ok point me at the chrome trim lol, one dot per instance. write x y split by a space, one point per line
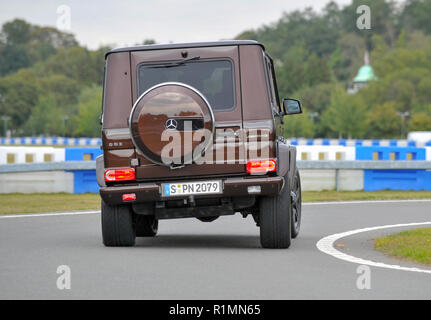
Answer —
117 134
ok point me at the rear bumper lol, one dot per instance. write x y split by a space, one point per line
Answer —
232 187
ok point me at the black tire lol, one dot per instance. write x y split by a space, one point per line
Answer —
296 201
118 227
208 219
146 226
275 219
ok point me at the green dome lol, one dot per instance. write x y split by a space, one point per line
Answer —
365 74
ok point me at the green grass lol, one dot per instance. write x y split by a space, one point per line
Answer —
47 202
413 245
40 202
313 196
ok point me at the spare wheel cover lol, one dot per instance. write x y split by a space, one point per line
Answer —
167 106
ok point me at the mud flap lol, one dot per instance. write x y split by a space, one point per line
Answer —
100 171
286 160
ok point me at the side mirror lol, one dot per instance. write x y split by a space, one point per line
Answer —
291 106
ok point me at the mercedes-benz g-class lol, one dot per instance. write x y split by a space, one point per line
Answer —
195 130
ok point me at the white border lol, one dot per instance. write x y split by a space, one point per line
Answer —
363 201
48 214
326 245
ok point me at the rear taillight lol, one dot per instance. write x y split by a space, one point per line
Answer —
124 174
261 166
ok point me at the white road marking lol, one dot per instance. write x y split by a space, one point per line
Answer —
48 214
362 202
326 245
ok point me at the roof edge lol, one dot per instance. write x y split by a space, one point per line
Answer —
185 45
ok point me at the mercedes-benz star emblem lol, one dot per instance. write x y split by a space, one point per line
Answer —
171 124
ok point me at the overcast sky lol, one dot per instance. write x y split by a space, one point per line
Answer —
119 23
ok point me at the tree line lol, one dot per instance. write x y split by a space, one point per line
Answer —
51 85
317 55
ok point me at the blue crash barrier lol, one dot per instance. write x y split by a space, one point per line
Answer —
83 180
394 179
82 154
390 153
397 180
357 142
51 141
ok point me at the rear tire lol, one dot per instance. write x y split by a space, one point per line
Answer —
146 226
296 204
275 219
118 227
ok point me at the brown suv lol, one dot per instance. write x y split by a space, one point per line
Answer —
195 130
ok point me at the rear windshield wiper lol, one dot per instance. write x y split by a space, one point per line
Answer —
177 63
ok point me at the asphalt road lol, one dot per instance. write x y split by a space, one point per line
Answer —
190 259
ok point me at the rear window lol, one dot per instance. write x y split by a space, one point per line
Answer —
213 78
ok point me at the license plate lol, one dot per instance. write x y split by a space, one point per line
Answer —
190 188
